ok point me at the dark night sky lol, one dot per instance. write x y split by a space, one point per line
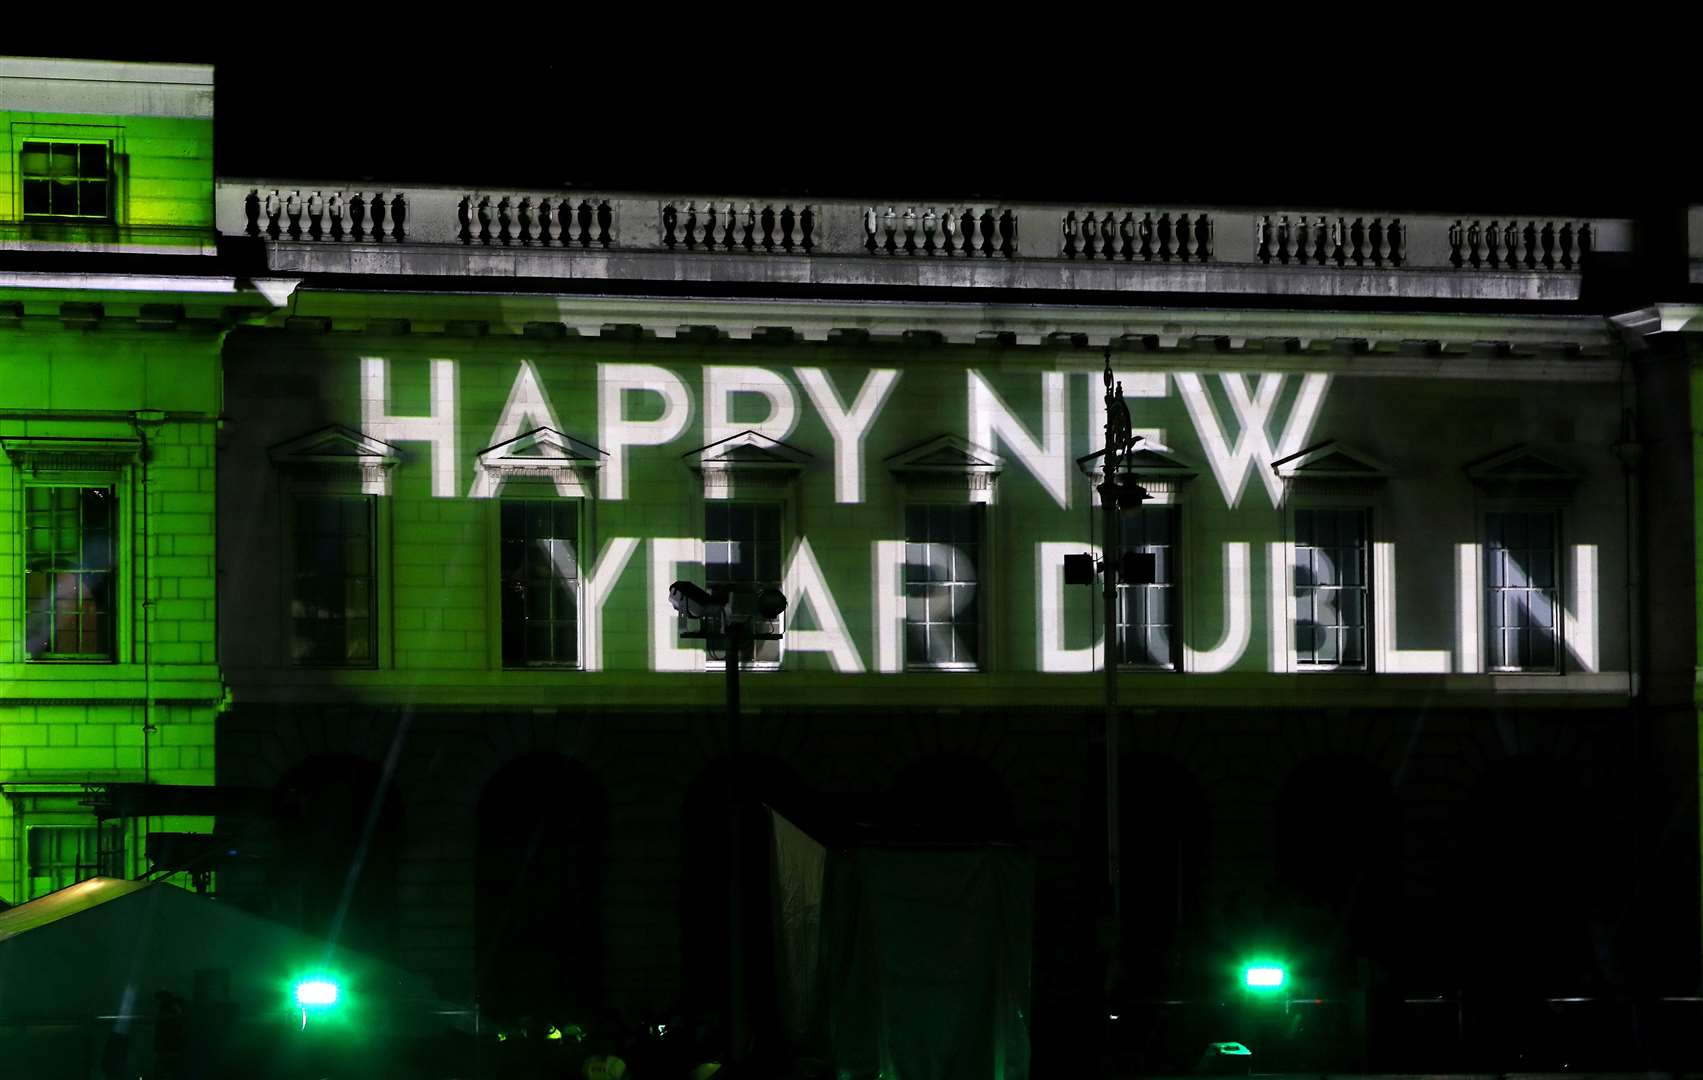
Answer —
1484 130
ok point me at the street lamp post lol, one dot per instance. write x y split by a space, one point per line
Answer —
719 625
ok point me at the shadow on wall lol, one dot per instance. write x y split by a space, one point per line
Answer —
337 845
539 870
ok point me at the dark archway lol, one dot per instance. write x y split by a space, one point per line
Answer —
1338 889
951 798
337 848
724 799
1163 836
538 890
1534 862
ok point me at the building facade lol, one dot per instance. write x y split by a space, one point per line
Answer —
1407 686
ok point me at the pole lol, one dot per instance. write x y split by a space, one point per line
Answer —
738 634
1109 560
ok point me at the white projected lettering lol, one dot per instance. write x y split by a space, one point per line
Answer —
666 653
805 584
1391 658
1238 622
1579 619
526 409
1051 651
1469 608
436 429
615 432
991 422
1254 413
887 581
1136 384
599 582
721 383
1280 588
847 426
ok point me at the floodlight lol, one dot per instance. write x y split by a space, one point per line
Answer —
770 603
1079 570
316 992
694 602
1264 976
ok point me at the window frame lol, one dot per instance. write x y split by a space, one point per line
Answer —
112 136
1170 501
102 866
519 490
780 497
119 557
110 179
1367 508
380 596
1555 511
981 511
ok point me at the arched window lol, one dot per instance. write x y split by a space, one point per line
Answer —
538 876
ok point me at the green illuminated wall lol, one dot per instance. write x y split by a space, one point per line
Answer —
69 723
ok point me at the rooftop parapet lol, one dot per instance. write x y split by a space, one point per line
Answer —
310 226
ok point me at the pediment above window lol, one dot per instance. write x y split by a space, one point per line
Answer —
1522 471
948 466
750 459
38 456
1158 470
337 451
1331 460
540 454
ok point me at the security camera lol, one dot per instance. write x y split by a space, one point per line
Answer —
770 603
694 602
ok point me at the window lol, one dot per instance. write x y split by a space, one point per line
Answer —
1520 591
540 568
70 558
332 603
61 855
1330 588
742 550
942 553
67 180
1147 620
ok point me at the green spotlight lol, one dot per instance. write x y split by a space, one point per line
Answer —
1264 976
316 993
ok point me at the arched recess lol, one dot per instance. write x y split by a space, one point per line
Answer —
951 798
1164 833
728 795
539 868
337 846
1338 886
1533 861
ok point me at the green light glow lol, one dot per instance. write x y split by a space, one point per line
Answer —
1264 976
316 992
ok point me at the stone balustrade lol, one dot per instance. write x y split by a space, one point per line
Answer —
1202 248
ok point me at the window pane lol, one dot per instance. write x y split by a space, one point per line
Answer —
540 578
332 600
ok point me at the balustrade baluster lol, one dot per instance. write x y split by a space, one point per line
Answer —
789 222
376 207
315 214
909 226
929 224
1262 232
334 215
1566 237
1126 236
1108 234
1380 242
1167 237
1067 233
1284 239
1303 240
1546 241
1144 233
1398 242
293 210
767 219
357 216
1584 242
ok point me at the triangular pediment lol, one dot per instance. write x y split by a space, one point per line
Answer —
1144 459
1520 464
747 450
542 448
1330 460
335 445
946 454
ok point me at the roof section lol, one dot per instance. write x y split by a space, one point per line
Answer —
106 87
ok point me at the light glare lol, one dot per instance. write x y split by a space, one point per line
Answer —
316 992
1264 977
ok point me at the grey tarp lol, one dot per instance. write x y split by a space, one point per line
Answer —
90 959
905 962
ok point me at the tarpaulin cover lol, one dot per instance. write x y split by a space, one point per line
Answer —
910 963
105 947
